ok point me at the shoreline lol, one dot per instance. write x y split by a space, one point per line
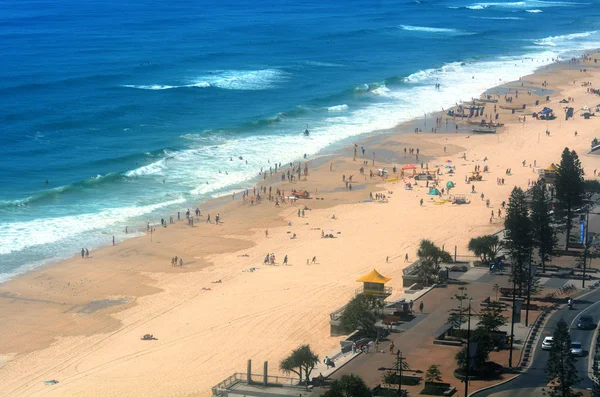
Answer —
102 237
137 272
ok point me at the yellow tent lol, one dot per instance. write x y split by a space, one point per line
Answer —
374 277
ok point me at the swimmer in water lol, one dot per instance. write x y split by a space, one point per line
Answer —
47 181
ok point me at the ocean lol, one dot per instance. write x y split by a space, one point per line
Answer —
135 110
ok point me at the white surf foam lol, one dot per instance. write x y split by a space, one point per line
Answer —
411 28
500 18
338 108
527 4
249 80
245 79
18 236
554 41
324 64
381 91
153 87
534 11
154 168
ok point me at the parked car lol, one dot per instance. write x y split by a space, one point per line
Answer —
577 349
585 322
547 343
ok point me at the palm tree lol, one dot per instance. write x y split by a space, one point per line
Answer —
301 361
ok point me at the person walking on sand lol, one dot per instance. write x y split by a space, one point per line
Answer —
208 219
113 241
87 253
82 253
285 260
314 259
267 233
298 213
406 257
421 202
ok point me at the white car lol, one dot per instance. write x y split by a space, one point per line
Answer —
547 343
577 349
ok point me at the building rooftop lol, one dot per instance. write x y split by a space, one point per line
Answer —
374 277
242 389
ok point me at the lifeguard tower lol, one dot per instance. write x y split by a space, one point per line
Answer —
548 175
374 285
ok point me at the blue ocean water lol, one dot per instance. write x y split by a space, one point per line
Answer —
128 109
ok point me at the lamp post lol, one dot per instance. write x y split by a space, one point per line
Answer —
467 367
585 244
399 371
528 288
512 321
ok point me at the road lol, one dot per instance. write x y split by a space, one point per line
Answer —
534 378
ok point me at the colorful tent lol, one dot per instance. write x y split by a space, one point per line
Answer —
434 191
409 167
449 184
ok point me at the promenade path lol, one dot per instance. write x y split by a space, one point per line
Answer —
416 342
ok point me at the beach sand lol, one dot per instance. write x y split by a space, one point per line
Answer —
80 321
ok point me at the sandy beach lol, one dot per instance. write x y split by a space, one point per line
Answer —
80 321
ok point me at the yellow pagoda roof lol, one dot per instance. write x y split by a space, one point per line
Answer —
551 167
374 277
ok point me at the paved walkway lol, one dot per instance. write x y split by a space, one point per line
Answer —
416 340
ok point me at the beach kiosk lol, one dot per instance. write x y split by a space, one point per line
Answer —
374 285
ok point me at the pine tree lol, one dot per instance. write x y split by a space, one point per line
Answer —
560 368
544 236
433 374
359 314
570 189
518 235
